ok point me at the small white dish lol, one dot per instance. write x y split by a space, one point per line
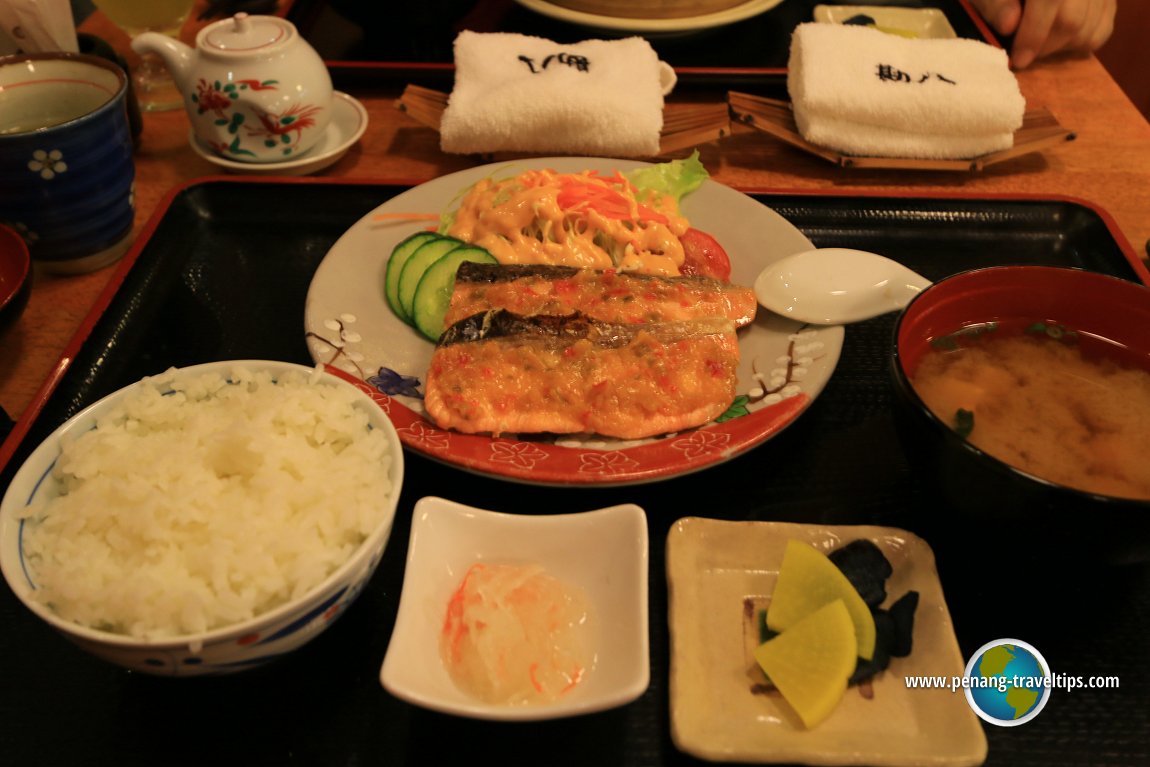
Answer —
348 123
715 566
604 552
925 23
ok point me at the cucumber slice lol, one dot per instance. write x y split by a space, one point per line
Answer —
423 257
399 256
433 295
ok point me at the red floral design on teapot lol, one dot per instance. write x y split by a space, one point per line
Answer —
254 89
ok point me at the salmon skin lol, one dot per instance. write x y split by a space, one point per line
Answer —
604 295
497 372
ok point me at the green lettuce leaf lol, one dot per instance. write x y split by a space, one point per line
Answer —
677 178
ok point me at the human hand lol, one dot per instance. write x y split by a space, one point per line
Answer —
1044 27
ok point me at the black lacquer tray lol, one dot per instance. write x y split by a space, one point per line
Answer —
222 271
411 42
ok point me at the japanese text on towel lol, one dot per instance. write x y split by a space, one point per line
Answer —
580 63
888 73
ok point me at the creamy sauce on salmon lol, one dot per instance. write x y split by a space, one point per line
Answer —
609 296
614 381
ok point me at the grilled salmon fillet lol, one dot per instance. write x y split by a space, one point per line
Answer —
603 295
497 372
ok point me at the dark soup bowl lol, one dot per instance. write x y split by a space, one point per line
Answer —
1022 396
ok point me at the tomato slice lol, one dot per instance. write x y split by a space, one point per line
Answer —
704 256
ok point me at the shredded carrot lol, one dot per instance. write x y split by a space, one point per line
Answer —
535 679
454 625
576 676
601 196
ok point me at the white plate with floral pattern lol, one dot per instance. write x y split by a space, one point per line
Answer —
783 365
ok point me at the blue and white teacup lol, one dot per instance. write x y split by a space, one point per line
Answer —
66 169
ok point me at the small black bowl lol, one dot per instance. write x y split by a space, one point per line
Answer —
983 501
15 276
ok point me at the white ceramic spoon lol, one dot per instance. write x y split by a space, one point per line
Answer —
833 286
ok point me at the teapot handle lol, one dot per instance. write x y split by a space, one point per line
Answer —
176 55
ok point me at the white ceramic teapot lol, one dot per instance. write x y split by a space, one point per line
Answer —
255 90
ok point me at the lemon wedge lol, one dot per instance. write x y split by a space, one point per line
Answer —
808 580
811 663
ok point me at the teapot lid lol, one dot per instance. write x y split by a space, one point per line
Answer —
244 34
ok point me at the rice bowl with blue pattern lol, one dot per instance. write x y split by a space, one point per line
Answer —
206 520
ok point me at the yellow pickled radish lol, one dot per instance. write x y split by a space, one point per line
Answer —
812 661
808 580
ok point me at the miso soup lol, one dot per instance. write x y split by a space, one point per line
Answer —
1059 405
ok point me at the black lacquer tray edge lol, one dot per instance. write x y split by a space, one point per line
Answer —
11 445
121 271
134 715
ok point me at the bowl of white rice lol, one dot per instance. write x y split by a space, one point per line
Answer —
205 520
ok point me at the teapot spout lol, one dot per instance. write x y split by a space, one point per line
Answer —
176 55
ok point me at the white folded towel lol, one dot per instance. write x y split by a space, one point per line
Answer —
528 94
866 92
868 141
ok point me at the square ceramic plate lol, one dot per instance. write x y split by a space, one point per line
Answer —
911 22
604 552
714 566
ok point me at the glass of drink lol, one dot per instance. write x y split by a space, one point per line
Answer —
155 89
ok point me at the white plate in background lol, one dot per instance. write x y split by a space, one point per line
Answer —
651 26
914 22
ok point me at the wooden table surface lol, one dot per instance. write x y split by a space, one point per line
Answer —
1108 165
